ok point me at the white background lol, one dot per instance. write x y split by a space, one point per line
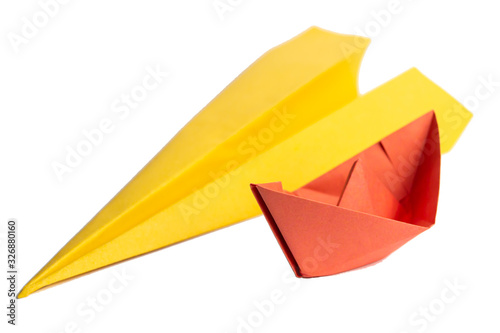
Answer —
63 80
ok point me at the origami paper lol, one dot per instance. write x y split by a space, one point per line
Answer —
296 105
362 210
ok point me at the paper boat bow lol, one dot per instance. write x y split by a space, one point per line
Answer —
362 210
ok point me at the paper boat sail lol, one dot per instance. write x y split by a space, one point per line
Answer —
296 105
362 210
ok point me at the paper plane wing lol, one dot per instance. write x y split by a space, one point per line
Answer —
302 80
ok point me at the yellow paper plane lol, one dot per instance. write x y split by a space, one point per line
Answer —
291 116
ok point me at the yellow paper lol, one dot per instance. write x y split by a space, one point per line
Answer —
291 116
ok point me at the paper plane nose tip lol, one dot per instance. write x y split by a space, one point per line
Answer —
24 292
31 287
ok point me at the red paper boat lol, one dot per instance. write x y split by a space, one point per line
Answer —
362 210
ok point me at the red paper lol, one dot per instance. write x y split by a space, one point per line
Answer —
364 209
